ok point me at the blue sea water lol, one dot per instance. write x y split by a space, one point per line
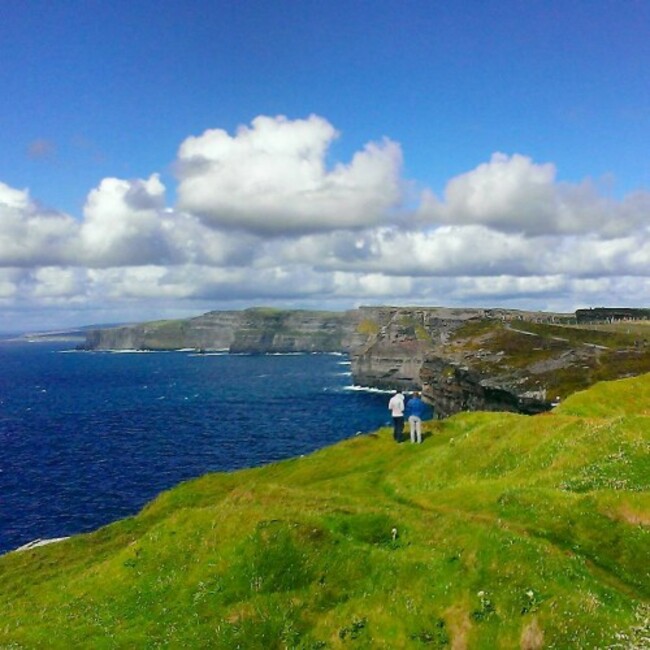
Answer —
87 438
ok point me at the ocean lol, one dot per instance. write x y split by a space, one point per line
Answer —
87 438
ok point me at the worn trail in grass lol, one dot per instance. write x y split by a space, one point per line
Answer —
500 531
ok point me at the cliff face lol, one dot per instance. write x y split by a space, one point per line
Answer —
421 349
262 331
524 366
252 330
403 338
211 331
462 359
453 388
492 360
398 342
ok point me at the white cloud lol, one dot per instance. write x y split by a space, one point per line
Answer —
29 235
125 224
53 282
8 283
191 241
514 194
272 178
463 251
197 282
372 285
122 223
506 193
13 198
507 232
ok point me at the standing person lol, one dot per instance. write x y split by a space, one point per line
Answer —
396 408
416 409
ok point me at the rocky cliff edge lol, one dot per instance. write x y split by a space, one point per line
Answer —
461 359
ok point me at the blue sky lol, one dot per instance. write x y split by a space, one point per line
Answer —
163 159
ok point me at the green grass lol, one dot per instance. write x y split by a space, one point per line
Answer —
500 531
638 328
368 327
607 336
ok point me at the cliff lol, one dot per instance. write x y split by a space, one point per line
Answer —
525 366
399 339
213 331
462 359
495 359
252 330
266 330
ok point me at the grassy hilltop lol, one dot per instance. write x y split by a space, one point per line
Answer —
500 531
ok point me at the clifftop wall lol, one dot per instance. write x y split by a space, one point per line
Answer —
611 314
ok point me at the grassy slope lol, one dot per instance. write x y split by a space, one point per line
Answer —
511 532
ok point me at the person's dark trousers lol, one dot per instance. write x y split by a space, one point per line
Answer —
398 427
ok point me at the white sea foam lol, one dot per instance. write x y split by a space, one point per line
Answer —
40 542
368 389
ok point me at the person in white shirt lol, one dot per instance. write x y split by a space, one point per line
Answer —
396 408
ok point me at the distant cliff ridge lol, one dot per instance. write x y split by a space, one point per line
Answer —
252 330
461 359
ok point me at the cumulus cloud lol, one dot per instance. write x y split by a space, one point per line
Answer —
190 241
197 282
122 223
11 198
54 282
29 235
389 251
125 224
272 178
515 194
264 217
8 283
463 251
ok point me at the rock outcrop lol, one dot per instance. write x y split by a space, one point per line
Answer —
453 388
524 366
398 342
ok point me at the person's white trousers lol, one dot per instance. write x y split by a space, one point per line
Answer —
415 427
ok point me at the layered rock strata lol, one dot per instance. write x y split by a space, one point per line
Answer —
461 359
252 331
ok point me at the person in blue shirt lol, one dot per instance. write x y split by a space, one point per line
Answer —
416 410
